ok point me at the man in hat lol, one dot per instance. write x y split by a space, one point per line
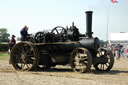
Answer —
12 42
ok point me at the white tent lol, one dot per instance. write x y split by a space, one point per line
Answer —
121 37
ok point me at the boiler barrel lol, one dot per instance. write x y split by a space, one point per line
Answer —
90 43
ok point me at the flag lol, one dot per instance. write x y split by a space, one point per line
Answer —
114 1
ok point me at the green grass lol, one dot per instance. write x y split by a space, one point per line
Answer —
4 56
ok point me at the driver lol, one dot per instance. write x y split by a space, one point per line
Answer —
24 33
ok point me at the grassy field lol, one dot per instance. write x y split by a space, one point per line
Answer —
4 56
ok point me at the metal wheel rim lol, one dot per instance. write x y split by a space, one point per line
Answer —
24 56
81 61
105 66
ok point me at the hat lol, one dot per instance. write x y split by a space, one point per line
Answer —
13 36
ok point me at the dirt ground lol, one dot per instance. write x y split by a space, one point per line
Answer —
63 75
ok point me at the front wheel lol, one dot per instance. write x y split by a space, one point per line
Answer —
105 55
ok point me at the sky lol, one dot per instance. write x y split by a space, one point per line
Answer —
41 15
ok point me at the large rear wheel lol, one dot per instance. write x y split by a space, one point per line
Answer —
24 56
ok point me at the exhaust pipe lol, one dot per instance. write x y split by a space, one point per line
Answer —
89 24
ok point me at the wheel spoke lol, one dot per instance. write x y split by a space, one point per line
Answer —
19 60
30 60
22 65
103 66
61 31
85 62
57 31
106 65
30 55
23 49
19 49
29 51
27 66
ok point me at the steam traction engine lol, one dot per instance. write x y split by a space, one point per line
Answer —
63 46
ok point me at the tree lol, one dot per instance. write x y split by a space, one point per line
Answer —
4 36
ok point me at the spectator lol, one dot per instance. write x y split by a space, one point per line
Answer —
12 42
118 49
24 33
110 47
122 52
114 49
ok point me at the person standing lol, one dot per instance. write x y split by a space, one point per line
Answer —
118 49
12 42
114 51
122 52
24 33
111 48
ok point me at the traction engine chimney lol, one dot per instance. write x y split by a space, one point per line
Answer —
89 24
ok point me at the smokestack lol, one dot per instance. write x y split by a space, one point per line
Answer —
89 24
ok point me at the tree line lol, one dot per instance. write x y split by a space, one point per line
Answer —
4 35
